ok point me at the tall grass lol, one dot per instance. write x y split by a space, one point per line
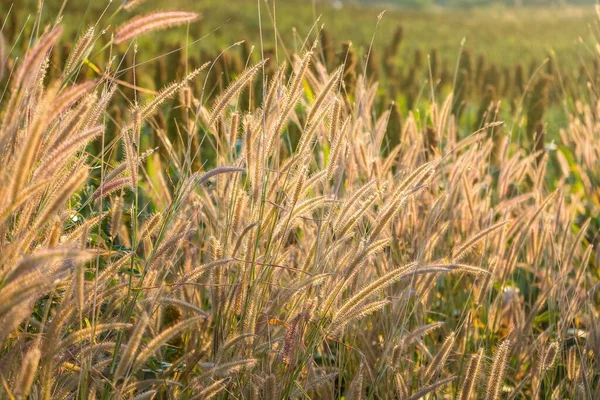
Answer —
275 245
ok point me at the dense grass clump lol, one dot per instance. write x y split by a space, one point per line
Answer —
288 231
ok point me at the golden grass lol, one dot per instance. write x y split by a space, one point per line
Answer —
282 250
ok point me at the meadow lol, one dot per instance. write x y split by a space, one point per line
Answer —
348 204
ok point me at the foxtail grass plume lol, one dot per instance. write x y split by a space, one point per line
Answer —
152 22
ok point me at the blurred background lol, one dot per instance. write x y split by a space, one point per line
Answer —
488 50
505 31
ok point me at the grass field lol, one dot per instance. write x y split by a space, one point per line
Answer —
182 219
504 36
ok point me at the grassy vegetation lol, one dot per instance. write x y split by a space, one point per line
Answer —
479 3
503 36
288 228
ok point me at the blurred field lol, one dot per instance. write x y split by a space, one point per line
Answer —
489 40
503 35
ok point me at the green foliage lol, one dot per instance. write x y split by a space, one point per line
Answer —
478 3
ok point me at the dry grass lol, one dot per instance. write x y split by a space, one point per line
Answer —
323 267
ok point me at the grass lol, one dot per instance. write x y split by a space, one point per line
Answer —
526 34
279 231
